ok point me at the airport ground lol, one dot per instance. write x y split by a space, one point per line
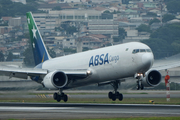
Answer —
21 100
92 96
89 105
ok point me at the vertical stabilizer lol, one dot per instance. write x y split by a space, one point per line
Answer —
39 49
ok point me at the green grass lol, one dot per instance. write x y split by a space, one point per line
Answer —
131 118
174 101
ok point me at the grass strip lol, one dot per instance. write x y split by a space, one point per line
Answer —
131 118
173 101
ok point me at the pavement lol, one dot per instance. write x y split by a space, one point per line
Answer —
86 110
82 111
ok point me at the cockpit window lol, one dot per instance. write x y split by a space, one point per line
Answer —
135 51
148 50
141 50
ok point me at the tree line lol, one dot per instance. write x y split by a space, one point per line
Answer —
173 6
9 8
10 57
165 41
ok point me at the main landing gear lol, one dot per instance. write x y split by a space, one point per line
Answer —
60 96
115 94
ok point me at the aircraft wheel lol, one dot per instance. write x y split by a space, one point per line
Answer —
55 96
65 98
110 95
120 97
114 97
58 98
62 94
117 94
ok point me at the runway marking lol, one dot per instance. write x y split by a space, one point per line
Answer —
84 110
126 112
98 109
37 108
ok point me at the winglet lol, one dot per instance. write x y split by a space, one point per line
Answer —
39 49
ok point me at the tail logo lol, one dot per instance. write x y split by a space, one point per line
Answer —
28 20
34 32
43 58
39 49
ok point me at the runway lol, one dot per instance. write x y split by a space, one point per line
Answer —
69 110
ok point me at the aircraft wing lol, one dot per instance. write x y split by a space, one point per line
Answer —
21 72
167 63
33 72
166 66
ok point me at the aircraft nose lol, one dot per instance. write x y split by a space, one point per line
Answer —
147 60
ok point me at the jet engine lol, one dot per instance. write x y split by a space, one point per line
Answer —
55 80
152 78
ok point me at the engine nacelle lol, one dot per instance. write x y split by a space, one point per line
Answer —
152 78
55 80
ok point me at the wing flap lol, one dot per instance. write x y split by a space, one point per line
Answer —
21 72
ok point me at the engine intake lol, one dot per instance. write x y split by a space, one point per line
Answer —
152 78
55 80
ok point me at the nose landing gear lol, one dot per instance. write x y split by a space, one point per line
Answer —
139 85
139 78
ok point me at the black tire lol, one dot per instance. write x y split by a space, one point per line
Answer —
114 97
110 95
117 94
58 98
55 96
65 98
120 97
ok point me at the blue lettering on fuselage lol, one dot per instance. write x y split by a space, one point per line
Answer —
102 59
96 60
106 59
91 62
113 58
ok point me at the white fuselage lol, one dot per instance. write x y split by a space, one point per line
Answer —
108 63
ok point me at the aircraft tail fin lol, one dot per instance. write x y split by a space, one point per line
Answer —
39 49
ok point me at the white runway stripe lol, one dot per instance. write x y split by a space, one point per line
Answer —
36 108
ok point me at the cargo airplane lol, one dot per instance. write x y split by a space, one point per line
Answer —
108 65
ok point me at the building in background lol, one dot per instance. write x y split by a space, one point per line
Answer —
22 1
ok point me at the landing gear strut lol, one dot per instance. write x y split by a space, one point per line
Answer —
139 82
115 94
60 96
